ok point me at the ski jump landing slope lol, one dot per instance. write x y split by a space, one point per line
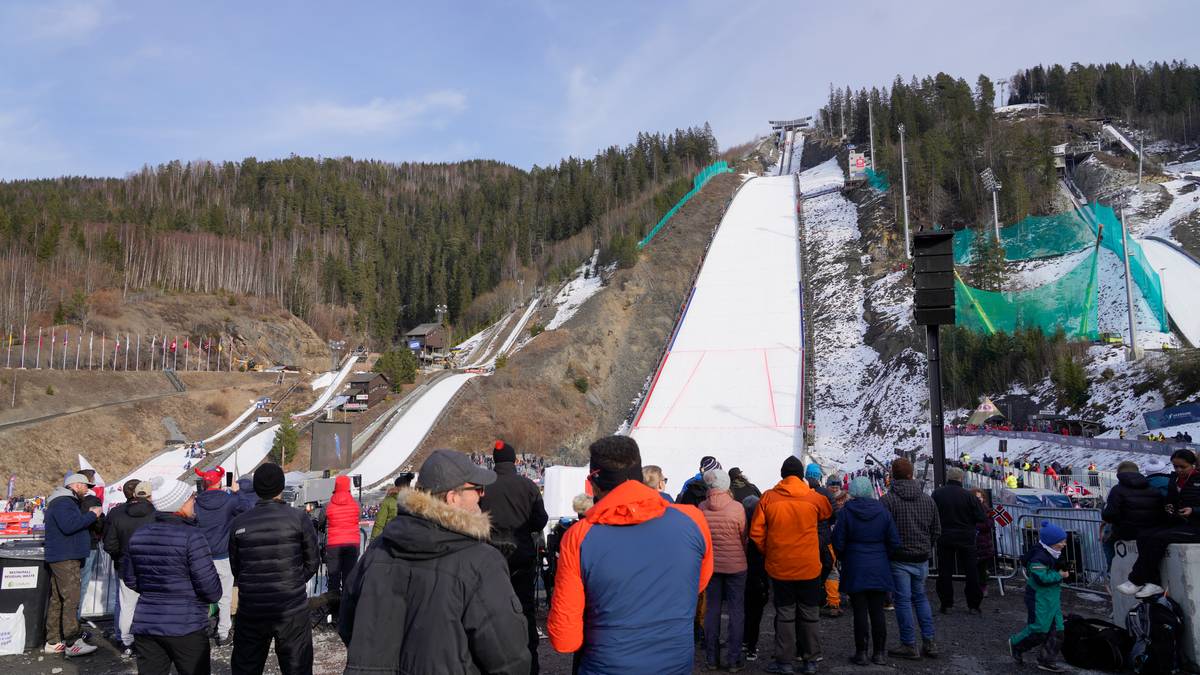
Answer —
1180 279
730 385
393 450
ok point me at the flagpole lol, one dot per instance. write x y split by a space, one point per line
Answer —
66 340
37 364
24 339
52 336
91 341
103 339
137 360
78 347
8 357
127 351
175 353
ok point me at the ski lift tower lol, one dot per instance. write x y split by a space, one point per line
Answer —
992 185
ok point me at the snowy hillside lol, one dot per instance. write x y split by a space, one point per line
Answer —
870 387
860 403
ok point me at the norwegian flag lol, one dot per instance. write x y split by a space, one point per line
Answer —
185 344
1001 515
1077 490
172 346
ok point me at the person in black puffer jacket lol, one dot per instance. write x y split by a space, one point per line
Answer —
122 521
517 512
169 565
273 553
1133 506
959 512
741 487
430 595
1183 527
694 490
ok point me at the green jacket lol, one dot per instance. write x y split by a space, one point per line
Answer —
1044 584
387 511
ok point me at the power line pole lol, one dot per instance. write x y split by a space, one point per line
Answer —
904 188
1133 341
871 128
1141 146
992 185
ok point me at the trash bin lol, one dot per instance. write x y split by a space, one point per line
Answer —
24 580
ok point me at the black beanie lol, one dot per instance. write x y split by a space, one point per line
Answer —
792 466
503 452
268 481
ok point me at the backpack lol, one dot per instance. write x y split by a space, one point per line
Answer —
1156 627
1094 644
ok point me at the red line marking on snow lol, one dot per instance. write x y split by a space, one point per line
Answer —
646 403
788 348
682 391
770 389
731 428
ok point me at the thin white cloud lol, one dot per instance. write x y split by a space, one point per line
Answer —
379 116
55 23
28 149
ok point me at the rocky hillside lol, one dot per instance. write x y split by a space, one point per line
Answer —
260 329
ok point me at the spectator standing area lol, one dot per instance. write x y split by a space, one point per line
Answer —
730 384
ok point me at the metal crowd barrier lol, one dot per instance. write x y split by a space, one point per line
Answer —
1084 554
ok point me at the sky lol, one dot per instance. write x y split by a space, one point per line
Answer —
99 87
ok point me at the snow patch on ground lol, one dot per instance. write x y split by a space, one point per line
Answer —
585 284
1016 108
1181 168
1151 217
827 174
1034 273
891 299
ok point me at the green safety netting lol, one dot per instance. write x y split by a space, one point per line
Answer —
1033 237
1140 268
1068 303
878 180
701 178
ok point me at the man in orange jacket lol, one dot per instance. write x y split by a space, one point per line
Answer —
630 547
784 528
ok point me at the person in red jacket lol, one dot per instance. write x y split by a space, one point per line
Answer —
629 573
339 521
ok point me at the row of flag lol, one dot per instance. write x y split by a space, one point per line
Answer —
170 349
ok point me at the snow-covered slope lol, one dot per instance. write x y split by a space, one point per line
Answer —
730 384
586 283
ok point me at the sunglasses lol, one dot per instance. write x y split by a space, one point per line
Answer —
477 489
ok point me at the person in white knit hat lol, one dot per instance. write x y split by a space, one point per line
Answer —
170 565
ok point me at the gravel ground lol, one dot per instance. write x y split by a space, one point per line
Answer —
969 644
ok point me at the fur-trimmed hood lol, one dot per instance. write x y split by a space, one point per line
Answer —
425 527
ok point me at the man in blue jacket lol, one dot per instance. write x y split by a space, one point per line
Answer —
169 565
68 542
215 509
